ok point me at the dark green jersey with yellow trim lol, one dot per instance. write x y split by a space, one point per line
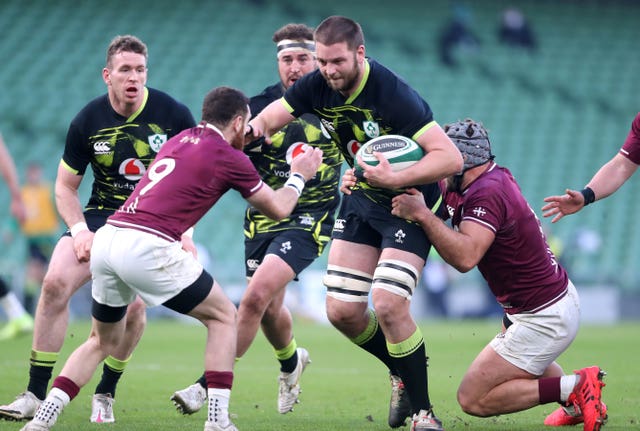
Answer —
383 104
120 149
320 196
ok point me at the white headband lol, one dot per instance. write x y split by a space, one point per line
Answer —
290 45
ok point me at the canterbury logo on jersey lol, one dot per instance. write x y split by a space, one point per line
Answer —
101 147
306 220
339 224
327 124
253 264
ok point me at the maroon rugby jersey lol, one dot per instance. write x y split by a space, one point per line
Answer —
190 173
631 147
519 266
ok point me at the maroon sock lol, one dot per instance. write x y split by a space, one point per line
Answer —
67 385
219 379
549 390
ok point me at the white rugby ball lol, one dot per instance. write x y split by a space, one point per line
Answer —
400 151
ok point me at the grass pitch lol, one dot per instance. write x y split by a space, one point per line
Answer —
343 388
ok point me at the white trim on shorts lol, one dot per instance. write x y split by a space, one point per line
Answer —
128 262
535 340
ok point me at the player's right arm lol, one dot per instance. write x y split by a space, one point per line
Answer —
70 209
269 120
278 204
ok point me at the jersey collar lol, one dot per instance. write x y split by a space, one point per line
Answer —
141 108
363 82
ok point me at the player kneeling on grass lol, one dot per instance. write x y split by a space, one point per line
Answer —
496 229
139 250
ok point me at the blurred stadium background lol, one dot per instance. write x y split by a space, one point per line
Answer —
554 115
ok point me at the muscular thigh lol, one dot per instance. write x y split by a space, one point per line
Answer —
534 340
65 272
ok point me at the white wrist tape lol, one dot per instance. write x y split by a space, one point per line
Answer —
77 228
189 232
296 182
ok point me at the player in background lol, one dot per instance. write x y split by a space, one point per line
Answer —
609 178
40 228
19 320
138 252
277 251
495 228
118 134
358 99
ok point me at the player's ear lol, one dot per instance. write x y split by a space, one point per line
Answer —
239 125
106 77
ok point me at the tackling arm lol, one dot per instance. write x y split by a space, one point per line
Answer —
461 249
280 203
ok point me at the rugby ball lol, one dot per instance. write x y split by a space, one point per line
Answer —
400 151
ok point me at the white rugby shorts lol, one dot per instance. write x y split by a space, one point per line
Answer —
127 262
535 340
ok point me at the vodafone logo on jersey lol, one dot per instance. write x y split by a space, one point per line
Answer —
295 150
353 146
132 169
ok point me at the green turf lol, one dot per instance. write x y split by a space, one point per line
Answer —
343 388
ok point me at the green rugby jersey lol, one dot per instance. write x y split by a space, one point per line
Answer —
120 149
320 196
383 104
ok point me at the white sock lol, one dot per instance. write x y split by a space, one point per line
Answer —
12 306
219 405
52 406
567 383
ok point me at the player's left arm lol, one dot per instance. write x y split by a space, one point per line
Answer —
462 249
441 160
609 178
612 176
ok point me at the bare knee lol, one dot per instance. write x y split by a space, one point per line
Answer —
470 405
225 313
345 316
255 301
56 291
137 312
388 313
136 320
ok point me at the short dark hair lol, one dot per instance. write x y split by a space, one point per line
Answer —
126 43
336 29
222 104
293 32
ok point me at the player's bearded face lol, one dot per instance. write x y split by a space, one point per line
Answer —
339 66
345 80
